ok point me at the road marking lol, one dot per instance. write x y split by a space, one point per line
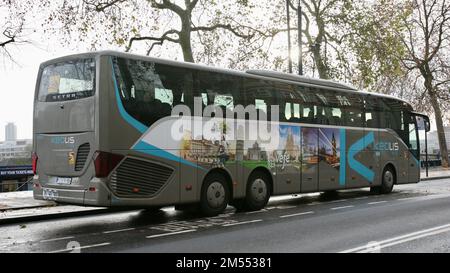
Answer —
360 198
411 239
404 238
296 214
344 207
313 203
377 202
257 211
56 239
117 230
337 201
171 233
407 198
286 207
242 223
79 248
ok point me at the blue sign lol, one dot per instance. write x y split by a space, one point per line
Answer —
15 171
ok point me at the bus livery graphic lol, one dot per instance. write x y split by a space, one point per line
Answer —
143 131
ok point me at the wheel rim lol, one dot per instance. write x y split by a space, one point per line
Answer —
215 195
258 190
388 178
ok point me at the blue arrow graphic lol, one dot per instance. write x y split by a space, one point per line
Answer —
356 165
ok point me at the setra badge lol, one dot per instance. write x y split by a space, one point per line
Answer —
71 158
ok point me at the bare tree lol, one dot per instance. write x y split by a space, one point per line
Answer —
427 39
11 26
153 23
351 40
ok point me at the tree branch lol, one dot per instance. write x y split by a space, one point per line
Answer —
161 39
192 5
223 26
101 6
166 4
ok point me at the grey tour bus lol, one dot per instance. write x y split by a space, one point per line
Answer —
116 129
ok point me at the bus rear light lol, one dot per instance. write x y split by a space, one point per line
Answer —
135 190
105 162
93 189
34 159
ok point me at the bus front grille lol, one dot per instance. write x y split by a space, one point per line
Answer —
82 154
138 178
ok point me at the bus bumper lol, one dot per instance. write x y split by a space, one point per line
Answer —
96 195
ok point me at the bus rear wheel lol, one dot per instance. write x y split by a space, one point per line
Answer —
258 192
387 181
215 195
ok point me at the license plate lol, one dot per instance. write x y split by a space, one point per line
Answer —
50 194
64 180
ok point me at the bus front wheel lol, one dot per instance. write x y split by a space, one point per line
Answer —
387 181
215 195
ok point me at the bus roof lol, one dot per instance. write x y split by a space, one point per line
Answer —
260 74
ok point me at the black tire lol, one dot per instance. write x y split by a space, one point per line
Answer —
215 195
387 182
153 209
258 191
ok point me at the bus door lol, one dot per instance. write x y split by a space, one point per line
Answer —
417 123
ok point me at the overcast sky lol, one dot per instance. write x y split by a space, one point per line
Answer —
18 83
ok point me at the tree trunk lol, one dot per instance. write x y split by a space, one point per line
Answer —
185 39
320 63
440 127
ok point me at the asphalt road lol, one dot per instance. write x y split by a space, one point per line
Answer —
414 218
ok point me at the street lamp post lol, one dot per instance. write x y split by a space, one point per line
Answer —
289 36
299 31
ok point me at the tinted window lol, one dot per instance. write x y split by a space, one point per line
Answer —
290 102
259 93
352 106
149 91
372 111
67 80
219 90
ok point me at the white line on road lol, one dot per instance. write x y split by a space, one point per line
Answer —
257 211
410 239
56 239
402 238
296 214
79 248
377 202
171 233
242 223
407 198
117 230
360 198
344 207
286 207
336 201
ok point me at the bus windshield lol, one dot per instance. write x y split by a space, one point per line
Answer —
67 80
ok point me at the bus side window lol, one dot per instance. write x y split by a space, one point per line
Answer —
219 90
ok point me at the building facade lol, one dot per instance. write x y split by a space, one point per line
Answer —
15 149
433 141
10 132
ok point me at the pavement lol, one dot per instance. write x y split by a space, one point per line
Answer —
433 173
21 206
21 200
413 218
